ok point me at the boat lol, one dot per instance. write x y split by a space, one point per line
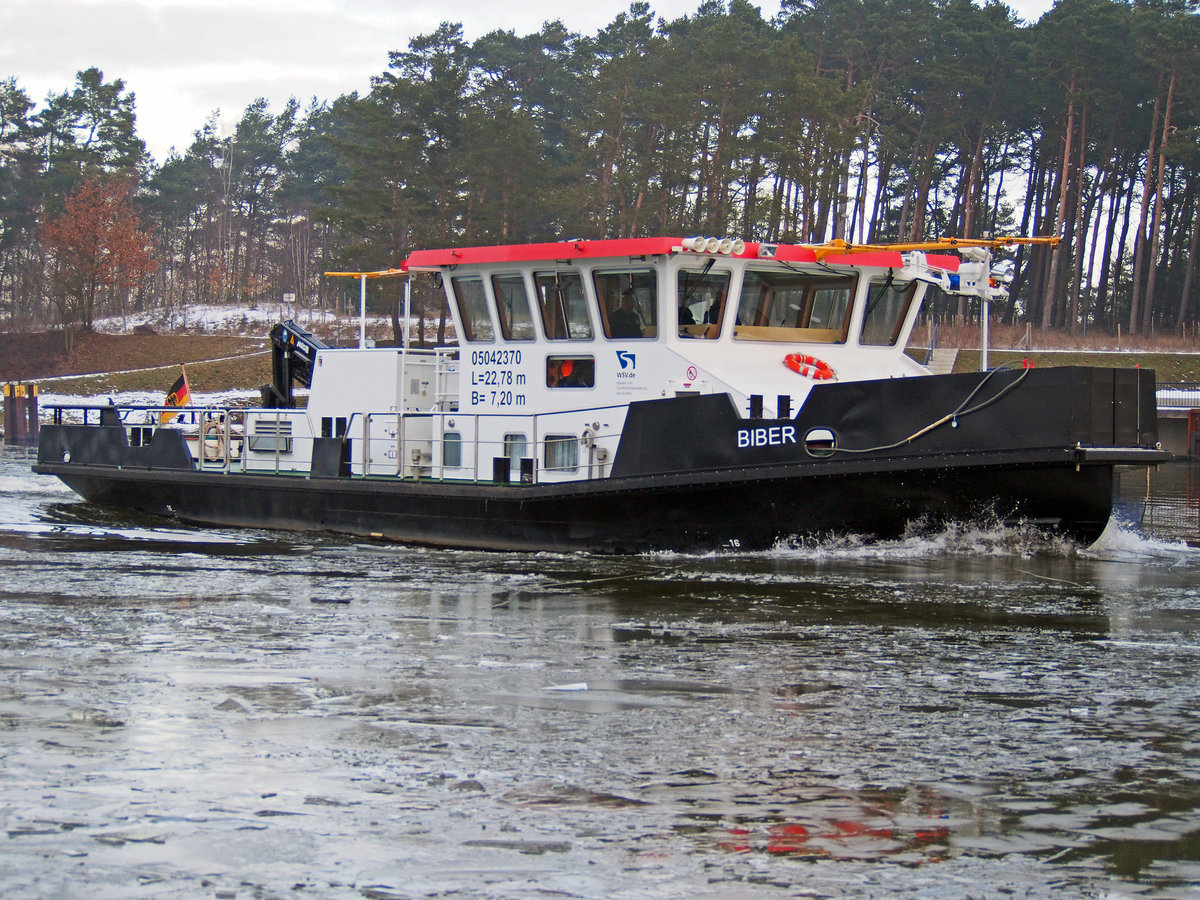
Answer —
638 395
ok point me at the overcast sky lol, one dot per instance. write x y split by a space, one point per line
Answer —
185 59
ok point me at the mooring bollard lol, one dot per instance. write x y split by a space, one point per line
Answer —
20 413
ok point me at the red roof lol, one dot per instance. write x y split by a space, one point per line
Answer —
568 251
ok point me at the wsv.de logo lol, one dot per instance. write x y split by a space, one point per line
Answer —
628 363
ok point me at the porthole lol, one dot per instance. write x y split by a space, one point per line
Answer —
820 443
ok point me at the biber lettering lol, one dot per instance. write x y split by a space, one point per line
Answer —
775 436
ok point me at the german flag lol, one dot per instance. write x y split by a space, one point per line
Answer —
178 395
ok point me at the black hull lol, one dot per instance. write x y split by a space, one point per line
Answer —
749 512
686 477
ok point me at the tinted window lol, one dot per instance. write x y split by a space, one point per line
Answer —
701 306
628 303
562 452
512 307
473 309
794 306
887 307
563 305
570 371
452 449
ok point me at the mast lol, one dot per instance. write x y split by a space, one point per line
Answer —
362 297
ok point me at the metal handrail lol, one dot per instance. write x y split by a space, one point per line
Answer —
478 448
196 417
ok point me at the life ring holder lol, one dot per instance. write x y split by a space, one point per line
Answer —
214 440
809 366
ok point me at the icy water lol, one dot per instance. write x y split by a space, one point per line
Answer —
197 713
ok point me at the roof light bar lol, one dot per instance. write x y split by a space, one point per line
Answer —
712 245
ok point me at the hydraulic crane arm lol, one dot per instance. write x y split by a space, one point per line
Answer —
293 355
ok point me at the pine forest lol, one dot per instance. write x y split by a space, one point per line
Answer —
865 120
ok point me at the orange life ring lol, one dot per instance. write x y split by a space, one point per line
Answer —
809 366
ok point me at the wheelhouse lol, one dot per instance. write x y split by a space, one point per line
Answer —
655 317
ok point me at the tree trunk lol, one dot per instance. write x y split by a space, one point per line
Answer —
974 177
921 199
1156 216
1106 178
909 191
1139 241
1077 230
1048 307
880 201
1189 273
1033 177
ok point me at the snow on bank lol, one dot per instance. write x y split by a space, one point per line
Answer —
212 400
232 399
1184 398
242 397
222 319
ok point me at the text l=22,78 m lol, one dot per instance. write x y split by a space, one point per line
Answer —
497 378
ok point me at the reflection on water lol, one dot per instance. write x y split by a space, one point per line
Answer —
1163 502
189 712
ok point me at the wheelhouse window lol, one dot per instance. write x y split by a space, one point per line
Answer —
562 453
794 306
888 303
570 371
702 296
512 307
563 305
473 309
628 303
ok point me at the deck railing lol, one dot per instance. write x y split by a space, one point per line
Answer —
232 439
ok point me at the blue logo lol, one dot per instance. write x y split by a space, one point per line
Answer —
626 359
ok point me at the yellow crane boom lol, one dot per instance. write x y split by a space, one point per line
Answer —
839 247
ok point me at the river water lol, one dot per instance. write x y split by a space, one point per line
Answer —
236 714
